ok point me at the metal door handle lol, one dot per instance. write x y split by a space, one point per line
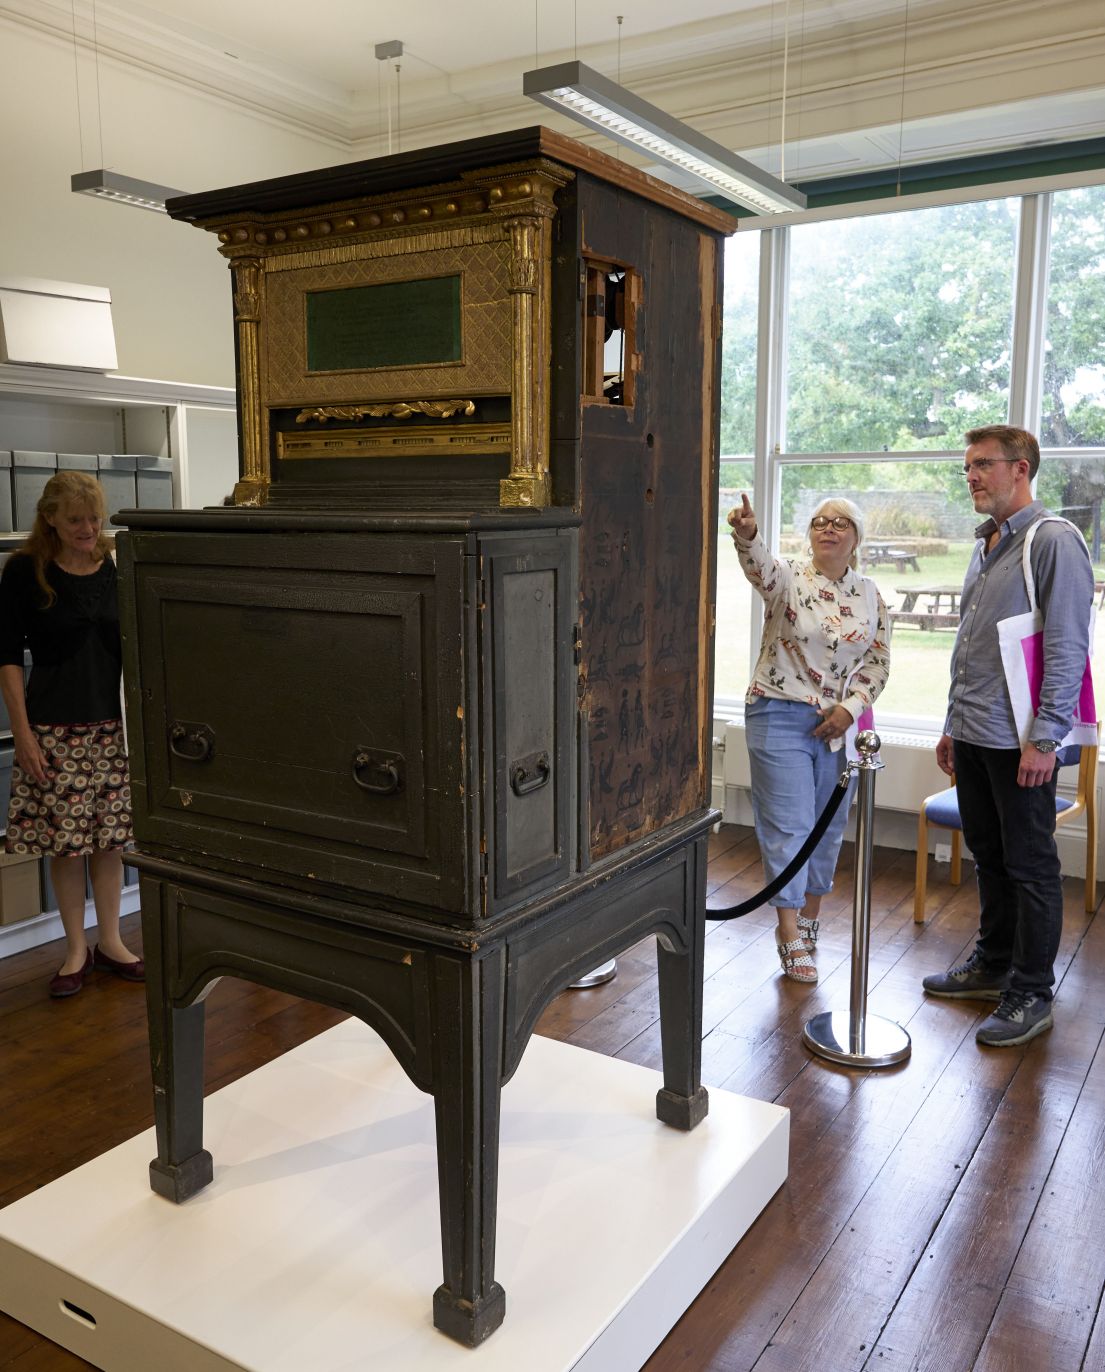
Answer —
192 742
529 774
386 766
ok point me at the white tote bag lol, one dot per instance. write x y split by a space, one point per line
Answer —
1021 640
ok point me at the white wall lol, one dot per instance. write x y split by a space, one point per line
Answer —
170 287
208 439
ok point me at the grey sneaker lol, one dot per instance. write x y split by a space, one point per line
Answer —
1020 1017
971 980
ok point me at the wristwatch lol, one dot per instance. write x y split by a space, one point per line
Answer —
1045 745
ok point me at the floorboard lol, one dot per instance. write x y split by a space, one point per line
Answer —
942 1214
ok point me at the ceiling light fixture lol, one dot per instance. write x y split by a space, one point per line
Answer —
109 185
585 95
125 190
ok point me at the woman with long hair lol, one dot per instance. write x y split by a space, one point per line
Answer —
70 798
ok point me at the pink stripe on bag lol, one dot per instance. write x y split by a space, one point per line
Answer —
1032 649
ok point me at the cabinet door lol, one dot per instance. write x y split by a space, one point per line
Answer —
529 671
301 707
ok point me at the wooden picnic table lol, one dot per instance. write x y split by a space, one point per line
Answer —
940 610
877 552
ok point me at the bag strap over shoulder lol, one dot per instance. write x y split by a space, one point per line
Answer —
1026 552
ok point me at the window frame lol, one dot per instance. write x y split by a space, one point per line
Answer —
1030 300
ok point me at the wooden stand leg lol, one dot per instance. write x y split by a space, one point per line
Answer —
468 1036
683 1102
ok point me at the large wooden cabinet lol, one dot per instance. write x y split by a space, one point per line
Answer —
420 723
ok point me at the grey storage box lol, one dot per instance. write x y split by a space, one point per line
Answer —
6 525
77 462
30 473
154 482
117 472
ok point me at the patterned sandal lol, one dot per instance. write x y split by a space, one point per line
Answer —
807 931
796 961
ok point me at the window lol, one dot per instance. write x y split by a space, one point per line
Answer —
919 536
1073 405
735 611
900 328
899 337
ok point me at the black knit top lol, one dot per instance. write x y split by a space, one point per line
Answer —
76 653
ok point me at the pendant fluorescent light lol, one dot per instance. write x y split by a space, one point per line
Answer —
125 190
577 90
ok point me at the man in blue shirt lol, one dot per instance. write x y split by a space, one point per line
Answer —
1006 790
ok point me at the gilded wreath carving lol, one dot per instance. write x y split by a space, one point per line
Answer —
400 409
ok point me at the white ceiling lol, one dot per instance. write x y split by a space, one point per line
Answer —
855 84
332 42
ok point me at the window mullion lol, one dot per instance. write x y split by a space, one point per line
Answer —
771 330
1030 312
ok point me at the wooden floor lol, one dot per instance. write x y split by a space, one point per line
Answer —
945 1214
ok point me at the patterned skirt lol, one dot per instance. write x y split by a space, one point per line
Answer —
85 805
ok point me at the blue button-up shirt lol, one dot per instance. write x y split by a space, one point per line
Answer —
978 703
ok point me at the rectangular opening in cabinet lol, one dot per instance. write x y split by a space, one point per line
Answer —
610 295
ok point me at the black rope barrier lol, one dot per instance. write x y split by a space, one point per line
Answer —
824 819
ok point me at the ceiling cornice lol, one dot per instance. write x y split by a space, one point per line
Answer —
721 74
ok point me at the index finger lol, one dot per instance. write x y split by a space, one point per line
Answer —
746 503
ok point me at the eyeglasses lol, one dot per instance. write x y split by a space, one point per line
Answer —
839 522
983 464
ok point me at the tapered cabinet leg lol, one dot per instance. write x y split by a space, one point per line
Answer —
181 1167
683 1101
469 1305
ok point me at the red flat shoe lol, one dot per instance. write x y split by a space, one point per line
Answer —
129 971
69 984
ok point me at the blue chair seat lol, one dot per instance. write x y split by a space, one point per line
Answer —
942 810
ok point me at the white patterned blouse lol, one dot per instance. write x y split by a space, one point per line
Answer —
824 642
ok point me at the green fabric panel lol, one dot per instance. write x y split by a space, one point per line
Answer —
395 324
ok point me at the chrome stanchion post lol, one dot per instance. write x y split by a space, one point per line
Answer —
857 1039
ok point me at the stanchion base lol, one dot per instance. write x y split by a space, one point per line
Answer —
606 972
884 1041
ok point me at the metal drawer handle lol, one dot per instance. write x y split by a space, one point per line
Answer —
386 769
192 742
529 774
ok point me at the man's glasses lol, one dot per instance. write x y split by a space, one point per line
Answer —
983 464
839 522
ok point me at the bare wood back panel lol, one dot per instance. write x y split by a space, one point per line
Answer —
647 480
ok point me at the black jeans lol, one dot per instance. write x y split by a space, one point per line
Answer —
1010 829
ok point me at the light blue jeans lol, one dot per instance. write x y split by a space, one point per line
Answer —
793 776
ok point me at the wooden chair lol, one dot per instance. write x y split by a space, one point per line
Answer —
942 811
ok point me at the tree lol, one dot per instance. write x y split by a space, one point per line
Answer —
900 329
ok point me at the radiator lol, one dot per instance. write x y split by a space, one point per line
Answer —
909 775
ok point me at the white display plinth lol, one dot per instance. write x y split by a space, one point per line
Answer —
316 1248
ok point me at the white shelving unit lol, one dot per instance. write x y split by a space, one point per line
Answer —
48 410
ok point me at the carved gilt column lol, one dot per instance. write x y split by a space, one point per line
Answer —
528 482
253 487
